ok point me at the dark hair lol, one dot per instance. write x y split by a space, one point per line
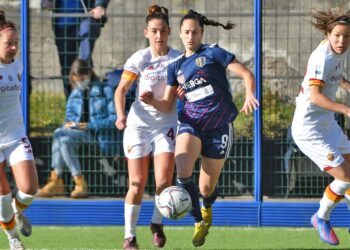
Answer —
81 67
203 20
5 24
157 12
327 20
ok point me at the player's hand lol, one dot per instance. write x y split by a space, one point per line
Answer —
121 122
147 97
180 93
250 104
98 12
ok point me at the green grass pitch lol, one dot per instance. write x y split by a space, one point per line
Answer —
111 237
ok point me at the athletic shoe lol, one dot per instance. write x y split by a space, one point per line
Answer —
200 231
16 244
23 224
207 214
159 238
130 244
324 230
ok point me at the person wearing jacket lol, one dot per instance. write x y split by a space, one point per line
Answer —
90 112
75 36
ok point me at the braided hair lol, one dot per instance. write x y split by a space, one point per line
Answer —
203 20
157 12
327 20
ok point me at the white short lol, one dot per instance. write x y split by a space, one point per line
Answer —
17 152
139 142
326 152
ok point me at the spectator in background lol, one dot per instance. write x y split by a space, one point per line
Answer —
89 112
75 37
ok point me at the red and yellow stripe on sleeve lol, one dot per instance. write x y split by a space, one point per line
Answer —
128 75
316 82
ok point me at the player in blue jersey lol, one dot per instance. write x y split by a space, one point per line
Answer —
205 121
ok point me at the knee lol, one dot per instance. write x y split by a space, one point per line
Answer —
206 190
136 188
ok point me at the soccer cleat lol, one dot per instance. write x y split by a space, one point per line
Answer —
130 244
324 230
159 238
16 244
23 224
200 231
207 214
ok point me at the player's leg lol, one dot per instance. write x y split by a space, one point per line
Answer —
333 194
164 163
7 217
327 153
188 148
137 149
347 193
208 178
21 160
216 148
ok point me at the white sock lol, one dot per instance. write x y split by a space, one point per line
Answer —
331 197
157 217
21 201
7 216
131 216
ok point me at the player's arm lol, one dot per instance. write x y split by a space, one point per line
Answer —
163 105
124 85
243 72
319 99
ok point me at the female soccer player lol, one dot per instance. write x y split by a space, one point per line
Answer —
205 121
148 132
15 148
314 128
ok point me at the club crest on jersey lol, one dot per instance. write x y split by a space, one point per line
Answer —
200 61
181 79
10 77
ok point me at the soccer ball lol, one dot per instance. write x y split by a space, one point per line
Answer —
174 202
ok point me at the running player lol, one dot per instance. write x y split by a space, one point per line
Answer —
15 148
206 118
148 132
314 128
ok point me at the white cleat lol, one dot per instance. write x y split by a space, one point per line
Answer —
16 244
